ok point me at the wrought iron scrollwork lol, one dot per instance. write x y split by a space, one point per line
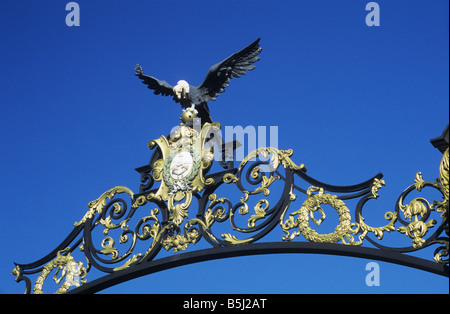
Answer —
122 231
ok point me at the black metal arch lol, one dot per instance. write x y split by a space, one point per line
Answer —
258 249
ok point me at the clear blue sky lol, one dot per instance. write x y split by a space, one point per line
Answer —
349 99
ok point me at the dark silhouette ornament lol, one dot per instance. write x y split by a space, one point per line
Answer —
216 80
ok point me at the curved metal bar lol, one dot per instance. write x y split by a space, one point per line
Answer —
361 189
338 188
257 249
52 254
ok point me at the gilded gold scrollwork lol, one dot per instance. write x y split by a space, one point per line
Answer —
108 247
97 206
417 229
444 173
179 242
364 229
378 231
419 207
260 212
73 273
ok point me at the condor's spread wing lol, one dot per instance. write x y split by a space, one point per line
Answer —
159 87
220 74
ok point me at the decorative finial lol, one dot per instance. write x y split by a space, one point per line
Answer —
188 116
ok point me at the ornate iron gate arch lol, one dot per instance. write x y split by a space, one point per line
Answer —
180 174
167 223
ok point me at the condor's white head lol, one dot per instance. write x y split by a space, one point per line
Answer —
181 89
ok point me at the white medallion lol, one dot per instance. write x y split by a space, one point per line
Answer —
181 165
